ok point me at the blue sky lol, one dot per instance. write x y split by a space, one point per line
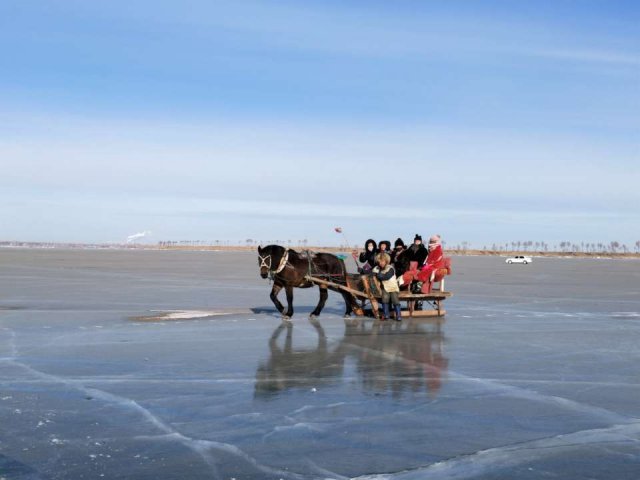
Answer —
486 121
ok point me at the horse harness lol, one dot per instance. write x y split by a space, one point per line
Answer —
311 272
284 262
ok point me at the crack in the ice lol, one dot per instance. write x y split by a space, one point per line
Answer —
201 447
527 394
479 463
206 445
326 474
497 388
13 349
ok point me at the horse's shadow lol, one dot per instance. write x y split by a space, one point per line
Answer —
390 358
290 368
264 310
269 310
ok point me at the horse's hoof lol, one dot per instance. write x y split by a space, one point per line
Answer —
286 318
313 317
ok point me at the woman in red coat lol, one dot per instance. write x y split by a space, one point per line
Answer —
434 261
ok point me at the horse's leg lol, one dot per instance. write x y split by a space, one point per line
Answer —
289 291
323 299
274 297
348 301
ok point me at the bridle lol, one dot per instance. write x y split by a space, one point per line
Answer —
263 261
266 262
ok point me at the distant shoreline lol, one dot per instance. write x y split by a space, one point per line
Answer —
342 249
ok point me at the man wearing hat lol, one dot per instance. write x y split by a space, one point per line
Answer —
399 258
415 256
398 247
416 252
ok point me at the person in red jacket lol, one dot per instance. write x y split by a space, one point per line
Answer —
434 261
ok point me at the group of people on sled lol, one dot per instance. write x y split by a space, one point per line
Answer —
403 265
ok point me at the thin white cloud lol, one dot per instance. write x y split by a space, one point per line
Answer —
97 217
591 56
337 164
283 209
249 27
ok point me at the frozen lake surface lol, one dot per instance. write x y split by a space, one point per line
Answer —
534 374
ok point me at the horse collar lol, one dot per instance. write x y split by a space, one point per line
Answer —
283 261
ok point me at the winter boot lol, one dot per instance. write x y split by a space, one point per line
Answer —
398 310
385 311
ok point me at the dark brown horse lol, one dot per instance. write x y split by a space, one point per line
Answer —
288 269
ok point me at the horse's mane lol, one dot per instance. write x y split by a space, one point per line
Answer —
282 247
272 246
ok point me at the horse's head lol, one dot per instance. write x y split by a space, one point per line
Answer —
269 258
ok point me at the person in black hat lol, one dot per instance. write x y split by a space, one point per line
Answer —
417 252
398 257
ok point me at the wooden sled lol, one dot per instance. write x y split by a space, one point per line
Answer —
367 289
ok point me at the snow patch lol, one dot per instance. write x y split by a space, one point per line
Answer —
625 315
162 315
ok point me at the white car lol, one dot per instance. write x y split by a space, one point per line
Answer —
518 259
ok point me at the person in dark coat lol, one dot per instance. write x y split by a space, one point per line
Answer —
398 248
398 257
417 252
368 256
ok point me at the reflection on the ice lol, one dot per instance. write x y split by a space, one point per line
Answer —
389 358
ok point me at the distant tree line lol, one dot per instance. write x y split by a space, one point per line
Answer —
564 246
249 242
520 245
514 246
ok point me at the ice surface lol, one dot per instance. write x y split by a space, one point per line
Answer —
535 373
